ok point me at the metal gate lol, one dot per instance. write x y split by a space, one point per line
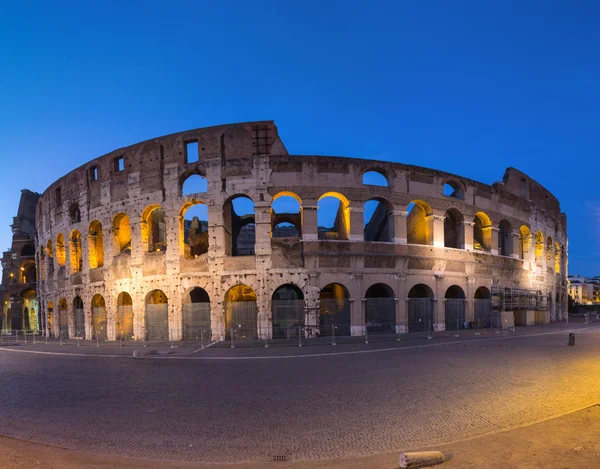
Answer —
380 315
99 323
196 321
157 322
242 318
288 318
63 323
484 314
334 312
80 323
420 314
456 314
124 323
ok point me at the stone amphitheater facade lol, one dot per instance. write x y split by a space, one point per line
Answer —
99 236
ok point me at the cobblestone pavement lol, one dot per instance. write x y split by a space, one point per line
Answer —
315 408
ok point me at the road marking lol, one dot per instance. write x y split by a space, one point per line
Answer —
208 346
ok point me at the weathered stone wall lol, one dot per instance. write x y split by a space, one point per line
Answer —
250 159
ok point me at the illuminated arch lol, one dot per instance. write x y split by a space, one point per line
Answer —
419 225
61 250
340 228
525 240
482 232
75 252
539 246
286 215
154 229
241 312
95 245
549 246
193 231
121 234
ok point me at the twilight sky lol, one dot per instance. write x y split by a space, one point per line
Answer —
457 86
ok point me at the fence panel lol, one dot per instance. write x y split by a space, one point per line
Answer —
196 321
455 313
485 315
157 322
124 323
334 312
63 324
99 323
288 317
420 314
80 323
242 318
380 315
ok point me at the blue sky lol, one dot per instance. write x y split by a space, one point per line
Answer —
459 86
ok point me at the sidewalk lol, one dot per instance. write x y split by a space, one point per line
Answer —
571 441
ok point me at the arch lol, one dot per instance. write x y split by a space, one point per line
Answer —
79 317
61 251
29 318
239 225
454 233
378 220
28 250
380 309
482 232
27 272
154 229
525 239
42 270
50 318
99 323
286 216
420 308
287 308
124 318
74 213
334 310
241 313
375 177
557 258
194 183
419 224
196 315
504 238
63 318
455 308
549 246
193 229
121 234
95 245
333 216
157 316
484 316
454 189
75 257
539 246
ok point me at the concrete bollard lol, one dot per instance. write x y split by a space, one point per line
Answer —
571 339
421 459
135 354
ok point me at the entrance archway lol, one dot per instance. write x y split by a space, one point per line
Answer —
63 319
420 309
124 323
241 313
380 309
157 316
483 309
455 308
287 309
99 318
79 316
334 310
196 315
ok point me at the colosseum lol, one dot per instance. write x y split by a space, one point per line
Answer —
220 231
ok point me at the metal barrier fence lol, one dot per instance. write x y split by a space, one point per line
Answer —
196 321
241 320
334 312
124 323
288 316
485 315
80 323
456 314
380 315
420 314
157 322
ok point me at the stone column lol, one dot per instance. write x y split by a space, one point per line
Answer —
435 230
439 311
309 221
357 227
468 235
400 227
470 312
262 217
493 236
513 245
401 305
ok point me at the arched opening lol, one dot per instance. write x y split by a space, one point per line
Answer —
453 189
42 263
28 272
194 229
558 308
418 224
287 308
194 184
124 319
504 233
454 234
74 213
95 245
482 232
378 220
196 315
29 316
539 246
549 246
524 242
154 229
50 257
334 312
286 216
456 311
122 234
333 217
375 178
28 250
99 318
79 317
239 224
50 318
557 258
61 251
63 318
6 316
76 259
157 316
420 309
241 313
483 309
380 309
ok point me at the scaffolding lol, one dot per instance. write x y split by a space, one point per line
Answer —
510 299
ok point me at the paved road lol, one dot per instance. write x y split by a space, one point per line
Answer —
310 408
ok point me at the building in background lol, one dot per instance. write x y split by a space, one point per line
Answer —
583 290
19 273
